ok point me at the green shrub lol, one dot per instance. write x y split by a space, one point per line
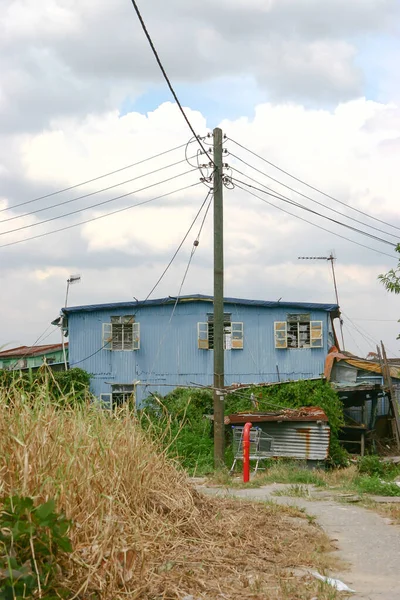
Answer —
31 538
374 466
295 395
62 387
374 485
180 418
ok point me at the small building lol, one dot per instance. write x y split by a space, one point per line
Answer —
301 434
156 345
32 357
360 385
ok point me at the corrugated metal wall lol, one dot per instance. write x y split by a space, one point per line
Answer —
302 440
169 354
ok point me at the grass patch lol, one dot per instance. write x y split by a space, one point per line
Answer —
294 491
276 471
139 529
375 486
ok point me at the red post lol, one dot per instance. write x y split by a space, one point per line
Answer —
246 452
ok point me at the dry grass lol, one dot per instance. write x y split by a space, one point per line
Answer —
140 530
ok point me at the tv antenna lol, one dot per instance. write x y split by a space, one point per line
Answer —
331 259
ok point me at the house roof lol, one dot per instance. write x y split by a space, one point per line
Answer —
31 350
372 365
332 308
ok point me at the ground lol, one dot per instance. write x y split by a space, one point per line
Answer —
368 543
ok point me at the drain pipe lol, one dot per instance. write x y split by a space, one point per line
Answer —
246 452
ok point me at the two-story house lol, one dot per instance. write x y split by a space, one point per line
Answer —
160 344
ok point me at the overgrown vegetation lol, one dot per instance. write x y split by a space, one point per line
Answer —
183 415
64 387
31 540
139 529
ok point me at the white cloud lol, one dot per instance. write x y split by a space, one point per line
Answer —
67 68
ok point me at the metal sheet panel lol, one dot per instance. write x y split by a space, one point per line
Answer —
169 352
302 441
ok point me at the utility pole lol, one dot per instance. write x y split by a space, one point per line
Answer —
331 258
219 428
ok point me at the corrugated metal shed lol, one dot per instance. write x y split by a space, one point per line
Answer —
303 434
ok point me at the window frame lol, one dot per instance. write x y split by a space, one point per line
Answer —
315 333
126 338
233 339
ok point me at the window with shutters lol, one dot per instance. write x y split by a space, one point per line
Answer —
298 331
233 334
122 333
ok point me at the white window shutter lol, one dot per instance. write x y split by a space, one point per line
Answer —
237 336
316 334
136 336
202 336
280 330
107 336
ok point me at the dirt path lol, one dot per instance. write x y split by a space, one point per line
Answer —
367 542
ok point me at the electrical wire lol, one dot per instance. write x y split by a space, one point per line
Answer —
309 198
351 336
143 302
34 212
114 212
367 337
74 212
315 224
33 345
163 71
312 187
310 210
194 248
72 187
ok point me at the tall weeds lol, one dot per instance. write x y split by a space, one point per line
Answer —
139 528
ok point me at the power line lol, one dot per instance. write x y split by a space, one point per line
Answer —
74 212
114 212
314 224
94 193
310 210
72 187
313 187
163 71
194 248
141 304
309 197
33 345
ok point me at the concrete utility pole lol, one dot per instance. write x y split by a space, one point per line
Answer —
218 303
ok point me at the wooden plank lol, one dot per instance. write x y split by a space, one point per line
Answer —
392 396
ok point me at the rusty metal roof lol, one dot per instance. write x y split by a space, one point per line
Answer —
306 413
31 350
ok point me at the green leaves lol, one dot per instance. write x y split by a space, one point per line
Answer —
31 539
65 388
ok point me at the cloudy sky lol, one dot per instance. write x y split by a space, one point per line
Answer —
309 86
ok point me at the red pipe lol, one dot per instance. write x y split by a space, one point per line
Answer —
246 452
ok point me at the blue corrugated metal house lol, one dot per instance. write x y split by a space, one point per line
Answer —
162 343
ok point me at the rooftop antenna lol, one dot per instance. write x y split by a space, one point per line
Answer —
331 259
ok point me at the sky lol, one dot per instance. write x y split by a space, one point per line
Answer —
310 87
